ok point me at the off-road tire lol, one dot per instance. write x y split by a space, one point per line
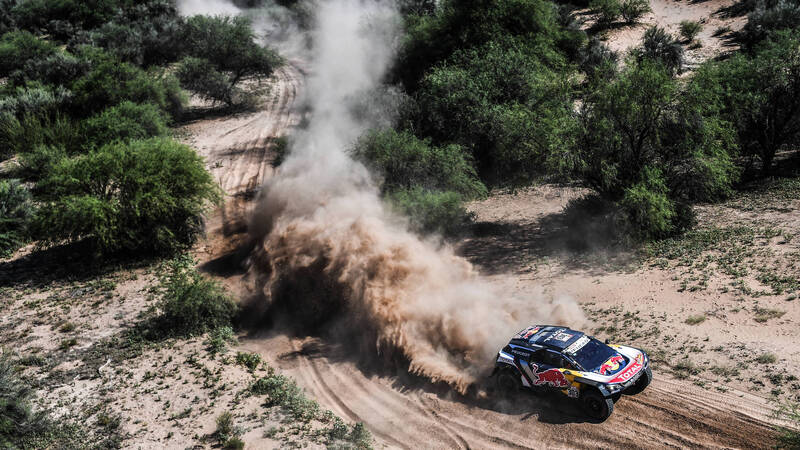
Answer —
597 406
508 382
641 383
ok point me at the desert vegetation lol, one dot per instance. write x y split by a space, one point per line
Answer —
491 96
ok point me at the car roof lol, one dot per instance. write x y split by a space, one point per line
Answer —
549 336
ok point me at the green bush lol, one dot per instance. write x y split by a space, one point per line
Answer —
598 61
767 19
406 162
458 25
38 162
138 197
608 11
19 47
16 211
633 10
648 204
201 77
502 105
125 122
431 211
283 391
19 424
35 101
191 303
659 45
759 94
26 134
220 338
653 148
789 437
222 52
58 69
690 29
111 82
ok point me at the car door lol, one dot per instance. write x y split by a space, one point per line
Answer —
545 371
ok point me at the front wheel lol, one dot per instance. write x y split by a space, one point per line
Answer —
597 406
508 382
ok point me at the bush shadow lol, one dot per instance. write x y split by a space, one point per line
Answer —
587 234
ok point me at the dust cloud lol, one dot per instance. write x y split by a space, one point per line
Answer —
207 7
327 245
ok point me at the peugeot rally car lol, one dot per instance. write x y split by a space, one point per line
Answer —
549 358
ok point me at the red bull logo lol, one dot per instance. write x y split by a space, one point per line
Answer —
552 377
612 365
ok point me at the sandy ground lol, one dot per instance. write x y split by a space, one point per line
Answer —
668 14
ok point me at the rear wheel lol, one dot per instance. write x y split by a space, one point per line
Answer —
597 406
641 383
508 381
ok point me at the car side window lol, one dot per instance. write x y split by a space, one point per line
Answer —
539 357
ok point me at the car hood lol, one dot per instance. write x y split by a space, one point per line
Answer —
612 365
634 361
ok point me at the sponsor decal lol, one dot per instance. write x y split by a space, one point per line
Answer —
577 345
612 365
632 370
573 392
521 353
560 336
551 377
528 332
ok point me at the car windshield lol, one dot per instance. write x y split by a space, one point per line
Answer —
592 354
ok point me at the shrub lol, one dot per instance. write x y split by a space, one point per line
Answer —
111 82
608 11
125 122
767 19
653 148
19 47
249 360
140 197
690 29
502 105
283 391
35 101
432 211
192 303
658 45
632 10
38 162
648 204
29 132
58 69
220 338
406 162
224 426
789 437
598 61
16 211
226 48
19 425
201 77
759 94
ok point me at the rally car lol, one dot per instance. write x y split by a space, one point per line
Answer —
549 358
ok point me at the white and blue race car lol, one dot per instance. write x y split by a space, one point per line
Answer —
550 358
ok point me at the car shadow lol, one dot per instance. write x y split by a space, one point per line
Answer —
551 408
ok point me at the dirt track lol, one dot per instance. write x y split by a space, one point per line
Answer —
400 411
